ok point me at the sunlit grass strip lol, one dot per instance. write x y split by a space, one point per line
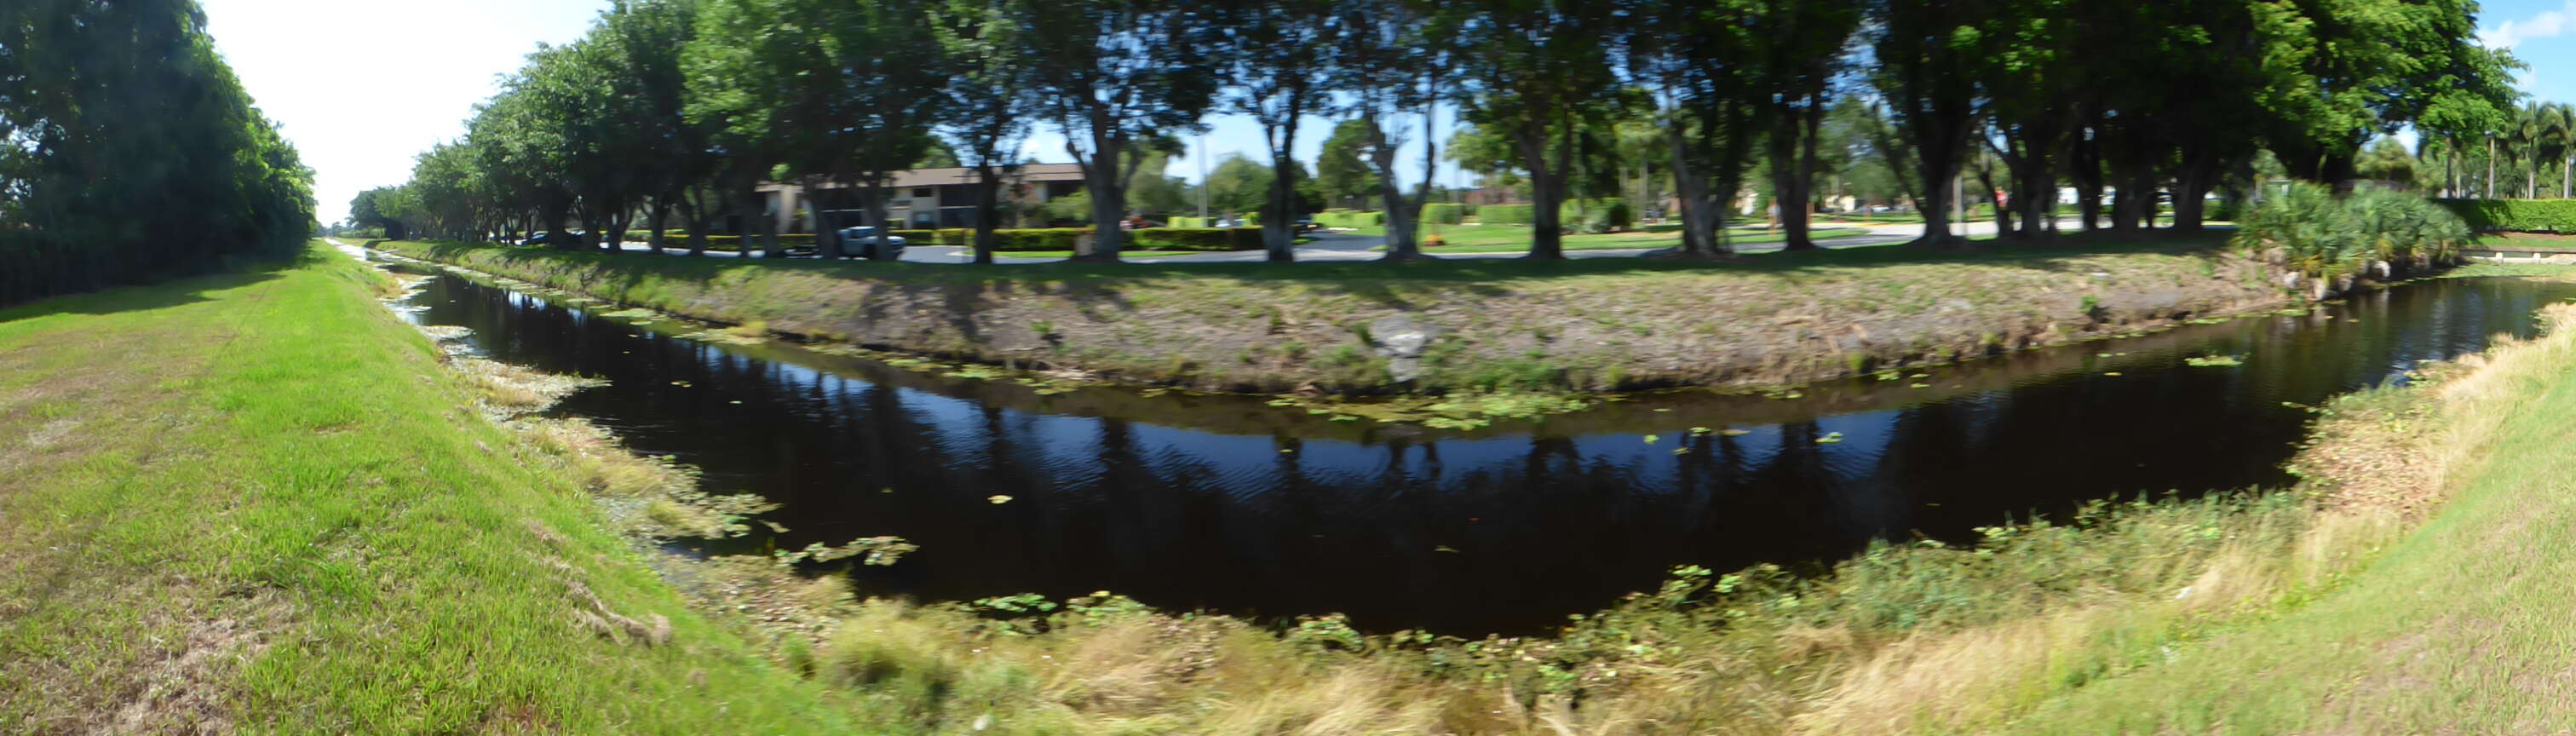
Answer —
265 503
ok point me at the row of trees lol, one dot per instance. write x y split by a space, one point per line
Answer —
131 152
2500 156
686 105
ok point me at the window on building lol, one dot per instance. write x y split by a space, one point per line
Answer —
923 192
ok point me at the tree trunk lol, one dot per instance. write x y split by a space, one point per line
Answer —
1279 219
1788 185
1401 221
1546 186
827 231
1100 173
1690 190
661 210
988 184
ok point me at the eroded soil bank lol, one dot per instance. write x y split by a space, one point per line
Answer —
1596 325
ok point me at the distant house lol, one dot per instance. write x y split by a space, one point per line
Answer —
919 199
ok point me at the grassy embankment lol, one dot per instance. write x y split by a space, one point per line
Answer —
1504 326
2464 626
259 501
1516 239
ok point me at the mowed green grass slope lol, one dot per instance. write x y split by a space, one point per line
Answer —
259 502
2467 625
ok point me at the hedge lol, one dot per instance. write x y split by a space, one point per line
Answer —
2521 215
1506 214
1197 238
1039 238
734 242
957 236
1350 219
1444 213
1613 214
918 237
1189 222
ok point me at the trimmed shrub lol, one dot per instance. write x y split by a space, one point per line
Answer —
1596 216
2309 230
1198 238
1187 222
1350 219
1039 238
1444 213
1506 214
956 236
918 237
734 242
2519 215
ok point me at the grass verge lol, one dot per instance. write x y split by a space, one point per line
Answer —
260 501
2460 627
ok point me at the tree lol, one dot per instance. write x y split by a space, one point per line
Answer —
740 76
1281 54
892 70
1342 170
1928 54
1113 73
2387 160
1239 185
1804 40
989 102
1394 59
1531 70
1699 63
132 152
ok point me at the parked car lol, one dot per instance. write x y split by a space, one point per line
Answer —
1303 224
864 242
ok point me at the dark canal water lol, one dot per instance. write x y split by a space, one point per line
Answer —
1229 505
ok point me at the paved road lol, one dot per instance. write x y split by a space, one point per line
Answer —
1349 247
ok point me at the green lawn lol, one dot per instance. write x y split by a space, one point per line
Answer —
258 501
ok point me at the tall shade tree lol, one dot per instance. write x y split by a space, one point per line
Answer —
1394 59
1342 168
892 69
1929 53
645 40
1114 74
1534 70
129 152
1282 59
1804 43
1701 63
741 69
986 116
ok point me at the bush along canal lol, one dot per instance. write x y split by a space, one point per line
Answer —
1229 504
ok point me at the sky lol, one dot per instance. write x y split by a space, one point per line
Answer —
361 86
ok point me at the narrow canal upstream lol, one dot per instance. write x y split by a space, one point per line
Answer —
1229 505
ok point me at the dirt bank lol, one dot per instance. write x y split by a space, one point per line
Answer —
1365 328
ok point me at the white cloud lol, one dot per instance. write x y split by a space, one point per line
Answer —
2548 24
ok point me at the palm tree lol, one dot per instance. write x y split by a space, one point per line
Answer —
2562 145
2530 124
